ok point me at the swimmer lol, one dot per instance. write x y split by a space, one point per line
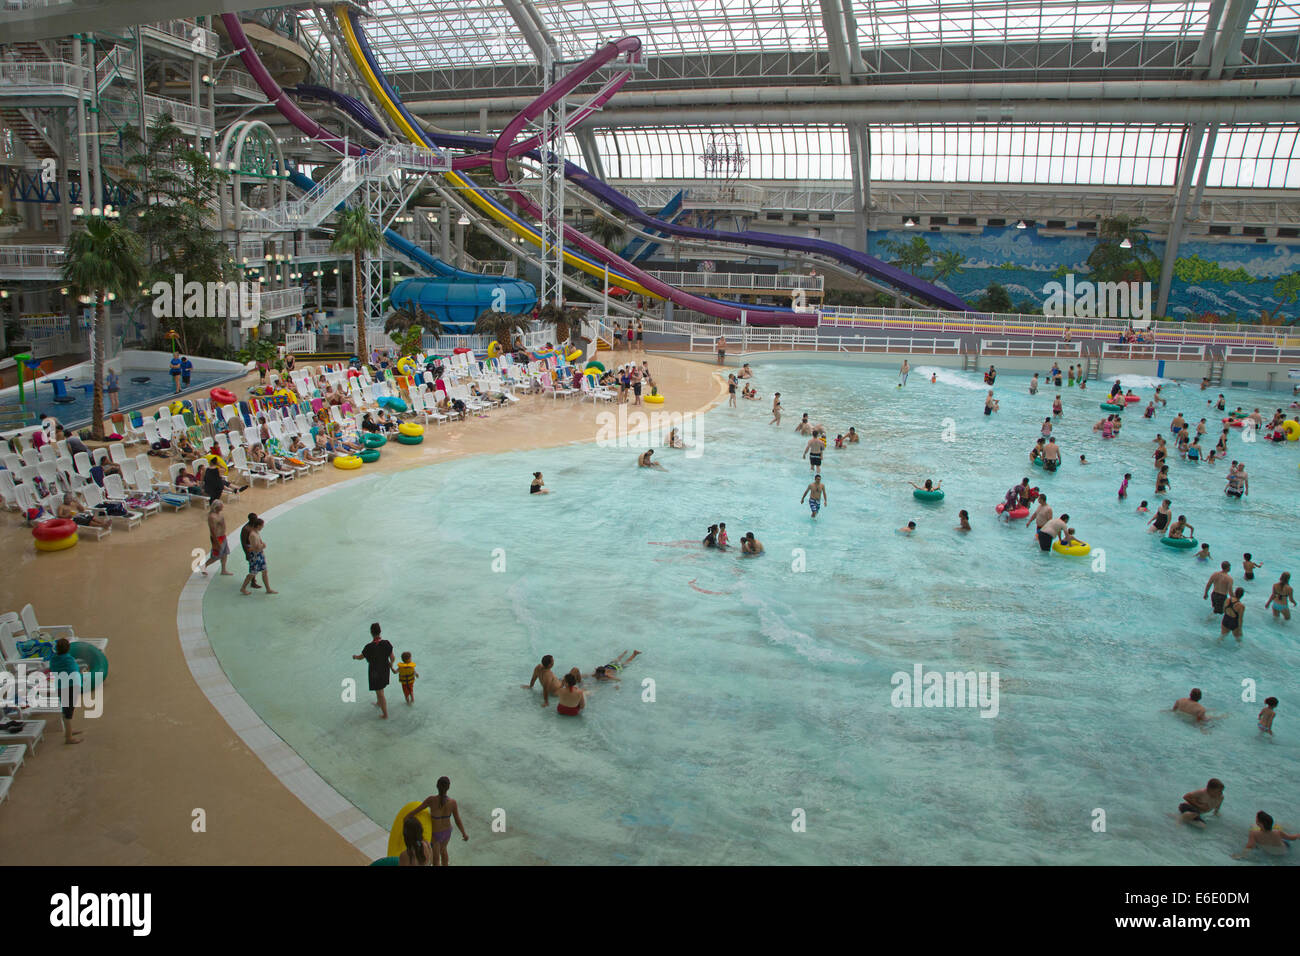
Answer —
818 498
1281 598
911 526
1068 535
610 671
1123 486
1233 611
934 377
711 539
750 546
928 486
1051 455
1265 836
1033 385
1204 553
1191 706
776 409
1036 452
1221 582
990 404
644 460
675 440
1143 508
536 487
1083 460
542 673
1046 430
1238 483
1071 379
1160 520
1056 405
1150 410
1162 480
1178 527
852 436
722 536
804 427
1158 397
839 441
570 700
1265 719
1202 801
903 373
963 520
813 452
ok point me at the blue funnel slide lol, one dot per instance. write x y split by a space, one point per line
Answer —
454 297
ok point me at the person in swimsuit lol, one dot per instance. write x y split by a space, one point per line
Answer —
407 675
804 427
711 539
1033 385
722 536
1041 517
217 538
750 546
928 486
442 810
1160 520
378 655
1234 610
776 409
542 673
817 491
1178 527
1123 488
963 521
1221 581
536 487
1265 719
990 403
813 452
175 372
418 852
1162 480
1191 706
1202 801
1056 403
571 701
611 670
113 390
903 373
722 350
1051 455
256 551
852 437
1265 836
1238 483
644 460
1249 566
1282 597
731 391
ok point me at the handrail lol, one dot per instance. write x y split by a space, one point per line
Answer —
742 280
43 73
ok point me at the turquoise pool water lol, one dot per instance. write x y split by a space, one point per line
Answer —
772 685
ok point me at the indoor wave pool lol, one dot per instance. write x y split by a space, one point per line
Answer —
773 734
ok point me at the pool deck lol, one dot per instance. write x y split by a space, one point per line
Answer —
161 750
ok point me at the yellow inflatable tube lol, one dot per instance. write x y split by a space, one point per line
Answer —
655 399
1292 429
347 462
1076 550
410 429
406 366
395 842
494 348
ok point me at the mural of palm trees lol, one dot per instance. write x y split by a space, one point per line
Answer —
911 256
948 264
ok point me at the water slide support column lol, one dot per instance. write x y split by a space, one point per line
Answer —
82 152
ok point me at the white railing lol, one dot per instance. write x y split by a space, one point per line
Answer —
280 302
761 281
1261 354
239 81
117 63
44 326
1169 352
1048 349
45 74
22 258
724 195
184 115
193 37
300 342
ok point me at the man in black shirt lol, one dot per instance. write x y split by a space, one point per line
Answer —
378 654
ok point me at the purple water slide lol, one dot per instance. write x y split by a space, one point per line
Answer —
287 107
349 104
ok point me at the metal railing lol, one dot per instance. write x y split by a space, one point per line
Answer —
729 196
1166 351
1258 353
241 82
757 281
19 259
300 341
43 74
280 302
187 33
1030 348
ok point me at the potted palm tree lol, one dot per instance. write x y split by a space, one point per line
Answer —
355 233
407 327
101 260
502 326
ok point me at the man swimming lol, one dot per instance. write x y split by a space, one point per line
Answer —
804 427
610 671
1202 801
1191 706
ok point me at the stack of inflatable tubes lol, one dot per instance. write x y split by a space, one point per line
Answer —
57 534
409 433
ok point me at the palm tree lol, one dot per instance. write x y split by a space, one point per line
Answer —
608 232
501 326
948 264
102 260
355 233
407 325
563 319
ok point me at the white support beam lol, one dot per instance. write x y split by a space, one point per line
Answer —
536 34
1187 164
591 153
109 16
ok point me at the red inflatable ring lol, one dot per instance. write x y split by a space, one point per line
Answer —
1234 422
461 351
54 529
1132 398
222 396
1018 512
353 373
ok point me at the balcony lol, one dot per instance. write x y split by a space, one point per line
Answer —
31 80
31 262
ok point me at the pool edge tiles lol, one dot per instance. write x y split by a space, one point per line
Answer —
283 762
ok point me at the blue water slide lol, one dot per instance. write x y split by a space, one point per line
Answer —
453 296
640 248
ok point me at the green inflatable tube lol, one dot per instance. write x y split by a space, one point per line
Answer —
93 658
386 861
373 440
410 439
591 365
1180 544
922 495
1108 407
369 455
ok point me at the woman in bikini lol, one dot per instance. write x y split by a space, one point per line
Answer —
571 701
443 810
418 852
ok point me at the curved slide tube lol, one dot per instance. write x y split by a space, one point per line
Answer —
860 261
349 104
596 256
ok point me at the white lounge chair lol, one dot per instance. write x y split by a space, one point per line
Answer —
54 631
95 497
